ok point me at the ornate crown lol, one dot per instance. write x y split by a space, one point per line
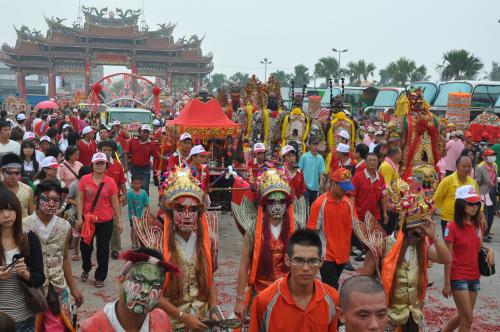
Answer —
271 181
274 89
179 183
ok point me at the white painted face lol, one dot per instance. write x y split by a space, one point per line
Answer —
276 206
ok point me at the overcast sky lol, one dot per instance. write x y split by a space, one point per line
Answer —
241 33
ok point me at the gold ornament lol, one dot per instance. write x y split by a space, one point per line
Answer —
180 183
273 181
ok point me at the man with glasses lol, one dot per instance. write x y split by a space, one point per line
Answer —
331 216
298 301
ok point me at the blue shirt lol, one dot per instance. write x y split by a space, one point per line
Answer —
136 202
312 167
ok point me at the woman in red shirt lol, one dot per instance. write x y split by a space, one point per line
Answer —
463 238
107 205
297 183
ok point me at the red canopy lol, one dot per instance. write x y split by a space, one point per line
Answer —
204 120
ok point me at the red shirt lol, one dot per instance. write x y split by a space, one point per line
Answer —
335 163
103 209
368 194
140 152
274 309
257 169
298 184
86 151
115 171
466 244
173 161
360 168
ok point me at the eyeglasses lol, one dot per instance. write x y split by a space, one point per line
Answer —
300 261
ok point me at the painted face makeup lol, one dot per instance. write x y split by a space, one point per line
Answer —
49 202
277 205
142 287
185 213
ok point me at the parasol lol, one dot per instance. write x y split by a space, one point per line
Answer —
47 104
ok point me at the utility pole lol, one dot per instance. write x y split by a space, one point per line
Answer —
339 52
265 62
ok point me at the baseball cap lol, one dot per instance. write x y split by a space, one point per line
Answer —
450 125
163 130
342 177
459 133
28 136
99 156
75 110
50 162
371 129
66 125
21 117
468 134
344 134
156 123
198 149
344 148
379 133
467 193
115 123
259 147
45 138
145 127
185 136
87 130
286 149
489 152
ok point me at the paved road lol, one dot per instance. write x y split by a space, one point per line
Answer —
437 309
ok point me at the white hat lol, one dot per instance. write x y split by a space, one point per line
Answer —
75 110
185 136
145 127
379 133
344 148
28 136
156 123
163 129
344 134
197 149
467 193
45 138
371 129
21 117
286 149
259 147
50 162
87 130
115 123
66 125
99 156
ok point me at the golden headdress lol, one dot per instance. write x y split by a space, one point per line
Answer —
273 88
255 87
273 180
180 183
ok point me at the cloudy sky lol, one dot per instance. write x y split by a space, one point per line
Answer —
241 33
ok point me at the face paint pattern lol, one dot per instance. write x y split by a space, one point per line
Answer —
277 206
185 213
142 289
49 203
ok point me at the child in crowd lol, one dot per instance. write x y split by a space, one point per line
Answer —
137 200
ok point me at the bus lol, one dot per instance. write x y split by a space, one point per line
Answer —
384 102
484 95
430 90
356 99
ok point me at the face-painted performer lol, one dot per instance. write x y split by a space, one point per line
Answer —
141 285
265 241
400 259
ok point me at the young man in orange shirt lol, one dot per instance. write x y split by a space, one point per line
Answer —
332 215
298 301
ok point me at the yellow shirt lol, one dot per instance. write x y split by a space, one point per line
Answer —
444 197
388 172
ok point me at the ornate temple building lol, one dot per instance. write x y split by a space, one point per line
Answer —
105 38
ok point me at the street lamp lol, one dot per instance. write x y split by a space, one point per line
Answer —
265 62
339 52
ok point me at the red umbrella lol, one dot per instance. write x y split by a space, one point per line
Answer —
48 104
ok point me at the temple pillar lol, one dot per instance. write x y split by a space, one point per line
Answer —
21 82
169 80
196 86
52 82
87 77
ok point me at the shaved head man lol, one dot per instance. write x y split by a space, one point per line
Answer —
363 305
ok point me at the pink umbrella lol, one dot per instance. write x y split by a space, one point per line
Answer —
48 104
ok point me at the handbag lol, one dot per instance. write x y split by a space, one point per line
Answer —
89 220
484 268
34 296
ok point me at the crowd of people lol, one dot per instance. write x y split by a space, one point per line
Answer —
64 181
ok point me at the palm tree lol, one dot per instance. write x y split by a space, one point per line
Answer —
301 75
216 82
240 77
459 65
326 68
494 74
282 77
358 70
401 72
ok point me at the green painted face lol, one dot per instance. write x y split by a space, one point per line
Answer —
142 287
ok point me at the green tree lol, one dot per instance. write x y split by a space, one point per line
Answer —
301 75
216 82
326 68
494 74
459 65
282 77
401 72
240 77
360 70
